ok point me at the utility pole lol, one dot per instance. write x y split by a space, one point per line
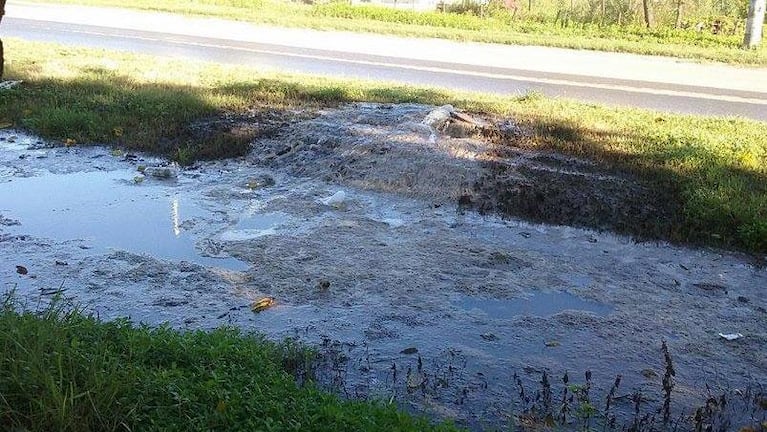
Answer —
754 23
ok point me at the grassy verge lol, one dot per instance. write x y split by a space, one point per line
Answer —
496 28
63 371
711 171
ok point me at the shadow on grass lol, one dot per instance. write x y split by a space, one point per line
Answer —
156 118
668 191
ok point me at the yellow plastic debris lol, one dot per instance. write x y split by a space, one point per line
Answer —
262 305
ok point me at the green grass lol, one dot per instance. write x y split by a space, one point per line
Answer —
540 28
64 371
712 171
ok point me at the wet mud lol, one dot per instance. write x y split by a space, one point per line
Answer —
409 296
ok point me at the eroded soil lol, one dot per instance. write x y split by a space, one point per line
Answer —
410 295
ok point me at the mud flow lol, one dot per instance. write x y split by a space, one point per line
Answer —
358 223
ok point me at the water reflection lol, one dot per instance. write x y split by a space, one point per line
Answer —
106 210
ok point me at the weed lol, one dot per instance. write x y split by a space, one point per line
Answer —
609 399
668 382
740 409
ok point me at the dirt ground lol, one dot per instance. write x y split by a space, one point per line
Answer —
360 221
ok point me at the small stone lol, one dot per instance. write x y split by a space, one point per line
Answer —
61 263
649 373
743 299
21 270
464 201
284 150
323 285
711 287
410 350
161 172
416 380
260 182
337 200
438 117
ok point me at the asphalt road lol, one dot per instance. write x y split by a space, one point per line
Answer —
672 97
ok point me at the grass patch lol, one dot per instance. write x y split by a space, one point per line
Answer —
711 171
544 27
63 371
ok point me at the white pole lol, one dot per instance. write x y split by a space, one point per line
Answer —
754 23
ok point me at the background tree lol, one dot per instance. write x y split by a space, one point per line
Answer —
754 23
2 59
647 9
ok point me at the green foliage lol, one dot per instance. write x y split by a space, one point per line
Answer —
384 14
64 371
610 25
559 20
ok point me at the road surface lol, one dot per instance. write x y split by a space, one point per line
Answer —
617 79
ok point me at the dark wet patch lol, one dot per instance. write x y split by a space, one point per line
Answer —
711 288
503 261
523 179
591 199
170 302
226 135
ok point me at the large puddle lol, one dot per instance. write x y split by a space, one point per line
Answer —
108 211
409 299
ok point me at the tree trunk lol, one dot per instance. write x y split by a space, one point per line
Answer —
754 24
678 23
602 10
647 13
2 59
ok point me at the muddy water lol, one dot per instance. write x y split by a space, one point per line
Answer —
541 305
378 281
